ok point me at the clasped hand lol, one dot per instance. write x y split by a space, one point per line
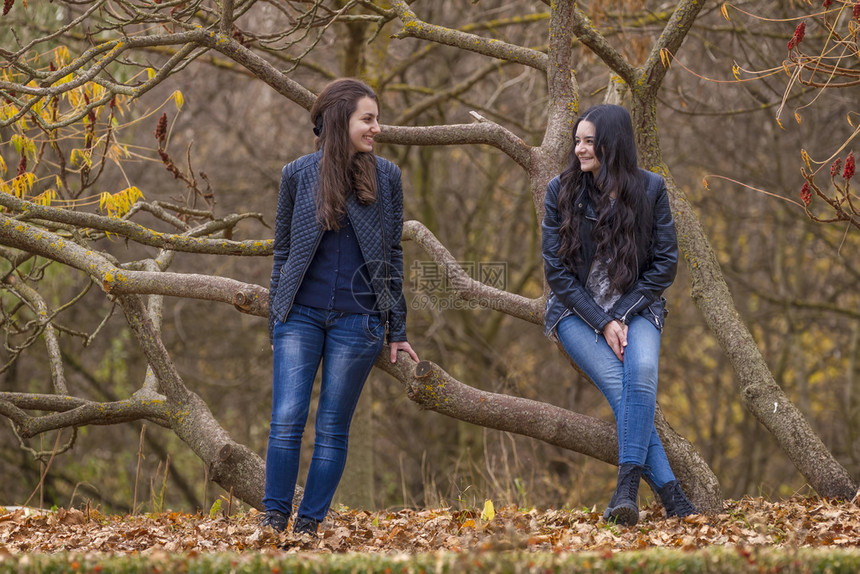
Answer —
615 333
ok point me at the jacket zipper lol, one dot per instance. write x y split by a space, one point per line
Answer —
596 332
587 275
567 313
385 255
302 277
656 319
624 318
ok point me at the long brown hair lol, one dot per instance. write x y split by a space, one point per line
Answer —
341 170
622 232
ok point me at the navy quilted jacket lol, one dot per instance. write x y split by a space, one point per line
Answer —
377 226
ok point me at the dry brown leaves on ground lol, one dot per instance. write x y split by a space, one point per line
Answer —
792 523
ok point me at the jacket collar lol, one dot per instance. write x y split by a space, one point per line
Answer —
583 201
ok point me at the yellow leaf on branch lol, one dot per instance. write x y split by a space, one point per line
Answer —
119 203
22 184
61 53
45 198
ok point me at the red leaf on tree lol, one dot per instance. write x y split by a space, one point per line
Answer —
797 37
161 128
849 164
835 167
806 194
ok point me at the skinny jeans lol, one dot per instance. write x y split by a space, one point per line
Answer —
630 387
347 345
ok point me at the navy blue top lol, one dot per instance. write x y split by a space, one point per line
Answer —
336 278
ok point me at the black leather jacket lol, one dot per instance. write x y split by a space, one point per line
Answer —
567 288
378 228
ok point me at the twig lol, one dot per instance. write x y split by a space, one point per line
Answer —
137 475
41 484
205 485
43 472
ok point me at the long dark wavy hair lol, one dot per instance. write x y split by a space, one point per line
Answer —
622 231
341 170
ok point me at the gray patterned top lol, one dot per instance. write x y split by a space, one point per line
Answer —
598 284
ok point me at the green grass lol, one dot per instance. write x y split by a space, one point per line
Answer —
715 560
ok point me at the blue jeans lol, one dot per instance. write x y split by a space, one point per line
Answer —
347 344
629 386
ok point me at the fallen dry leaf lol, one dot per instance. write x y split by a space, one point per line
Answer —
749 522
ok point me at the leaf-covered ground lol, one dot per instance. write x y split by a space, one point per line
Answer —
795 523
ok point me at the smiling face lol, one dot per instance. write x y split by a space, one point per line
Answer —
584 147
363 125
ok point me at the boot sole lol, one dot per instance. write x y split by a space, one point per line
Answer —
624 515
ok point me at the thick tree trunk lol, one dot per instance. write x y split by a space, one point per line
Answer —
758 390
233 466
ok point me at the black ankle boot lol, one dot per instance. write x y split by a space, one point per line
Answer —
623 508
276 519
675 501
305 525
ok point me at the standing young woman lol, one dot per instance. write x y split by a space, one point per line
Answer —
336 289
610 252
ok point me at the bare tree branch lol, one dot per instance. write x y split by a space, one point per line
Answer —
226 25
587 33
156 354
485 132
144 235
445 95
114 280
78 412
467 288
668 43
413 27
40 307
